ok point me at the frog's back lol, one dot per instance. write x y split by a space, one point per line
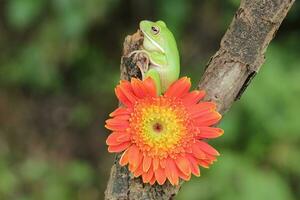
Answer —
171 72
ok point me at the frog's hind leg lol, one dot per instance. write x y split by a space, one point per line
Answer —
156 77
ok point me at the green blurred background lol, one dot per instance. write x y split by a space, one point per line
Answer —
59 63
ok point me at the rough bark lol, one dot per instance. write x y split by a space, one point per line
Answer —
227 75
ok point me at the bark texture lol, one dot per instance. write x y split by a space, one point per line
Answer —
227 75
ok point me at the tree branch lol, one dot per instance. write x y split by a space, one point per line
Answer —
226 77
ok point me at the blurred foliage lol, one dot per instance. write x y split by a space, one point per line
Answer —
59 63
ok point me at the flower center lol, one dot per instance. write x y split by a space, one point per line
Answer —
160 126
157 127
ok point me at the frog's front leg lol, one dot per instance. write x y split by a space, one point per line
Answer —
155 60
146 64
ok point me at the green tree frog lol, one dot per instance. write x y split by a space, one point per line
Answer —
160 48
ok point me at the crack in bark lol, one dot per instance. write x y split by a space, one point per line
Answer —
245 85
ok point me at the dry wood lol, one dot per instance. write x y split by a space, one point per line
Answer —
226 77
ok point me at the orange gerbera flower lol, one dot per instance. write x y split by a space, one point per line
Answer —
163 136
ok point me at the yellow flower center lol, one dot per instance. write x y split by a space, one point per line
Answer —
160 126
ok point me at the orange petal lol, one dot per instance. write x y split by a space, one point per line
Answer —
119 148
127 90
184 176
179 88
188 149
203 163
207 148
117 138
160 175
197 151
138 171
130 167
120 111
150 86
201 109
183 165
152 181
134 156
148 175
172 172
122 97
116 125
194 165
155 163
122 117
124 137
193 97
210 158
112 139
138 88
209 132
146 163
124 158
163 163
208 119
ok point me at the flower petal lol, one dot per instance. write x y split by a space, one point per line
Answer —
183 165
146 163
125 93
124 158
155 163
184 176
203 163
148 175
134 156
163 163
120 111
160 175
202 108
208 119
122 98
138 171
152 181
207 148
171 171
209 132
210 158
119 148
112 139
197 151
126 88
117 138
193 97
179 88
194 165
116 125
124 137
150 86
143 89
122 117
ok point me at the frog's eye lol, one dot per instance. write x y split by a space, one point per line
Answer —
155 30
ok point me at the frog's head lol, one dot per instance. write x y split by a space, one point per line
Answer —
156 35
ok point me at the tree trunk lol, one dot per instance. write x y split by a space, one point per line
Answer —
227 75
